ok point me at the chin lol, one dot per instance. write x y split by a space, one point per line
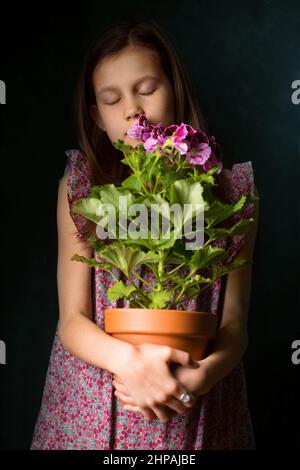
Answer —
128 140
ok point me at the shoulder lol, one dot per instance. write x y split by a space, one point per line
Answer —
77 161
63 207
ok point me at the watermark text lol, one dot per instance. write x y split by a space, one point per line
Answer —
2 92
296 354
2 352
296 94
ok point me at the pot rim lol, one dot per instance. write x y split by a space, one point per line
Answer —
148 310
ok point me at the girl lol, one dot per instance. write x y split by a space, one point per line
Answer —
129 70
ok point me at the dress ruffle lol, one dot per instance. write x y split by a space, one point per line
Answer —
78 187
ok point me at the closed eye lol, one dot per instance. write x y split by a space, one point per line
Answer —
150 93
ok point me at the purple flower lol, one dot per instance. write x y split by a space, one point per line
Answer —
216 156
198 148
178 139
155 137
139 128
199 154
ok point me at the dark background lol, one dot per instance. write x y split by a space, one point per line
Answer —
242 58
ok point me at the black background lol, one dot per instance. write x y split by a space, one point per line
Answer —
242 58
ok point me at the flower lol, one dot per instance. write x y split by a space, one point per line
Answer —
172 170
192 143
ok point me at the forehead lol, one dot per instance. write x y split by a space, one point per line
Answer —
126 67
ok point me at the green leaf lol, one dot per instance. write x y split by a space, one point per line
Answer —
205 256
146 243
133 182
159 299
90 261
95 192
120 145
237 262
126 258
241 227
96 243
218 211
190 193
164 243
186 192
121 199
218 270
207 179
88 208
119 290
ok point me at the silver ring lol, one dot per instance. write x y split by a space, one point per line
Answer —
185 397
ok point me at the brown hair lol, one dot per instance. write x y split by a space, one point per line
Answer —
103 157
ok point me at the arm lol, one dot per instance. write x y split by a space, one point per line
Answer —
77 332
231 341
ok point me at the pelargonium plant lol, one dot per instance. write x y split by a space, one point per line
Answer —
171 187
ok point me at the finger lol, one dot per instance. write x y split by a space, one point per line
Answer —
137 409
125 398
131 408
181 357
178 406
179 391
163 413
120 388
117 380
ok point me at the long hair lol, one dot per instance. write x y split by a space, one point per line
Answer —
103 157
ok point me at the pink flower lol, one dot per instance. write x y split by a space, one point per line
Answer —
198 148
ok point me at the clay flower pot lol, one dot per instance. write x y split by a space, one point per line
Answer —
186 330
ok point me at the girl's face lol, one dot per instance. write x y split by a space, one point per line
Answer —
136 85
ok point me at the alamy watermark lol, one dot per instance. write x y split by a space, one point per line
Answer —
188 222
2 92
296 94
2 352
296 354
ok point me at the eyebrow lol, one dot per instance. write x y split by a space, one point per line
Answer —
113 88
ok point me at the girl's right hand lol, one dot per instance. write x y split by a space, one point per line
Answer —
149 381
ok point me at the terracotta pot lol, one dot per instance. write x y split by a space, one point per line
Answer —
186 330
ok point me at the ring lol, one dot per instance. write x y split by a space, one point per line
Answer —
185 397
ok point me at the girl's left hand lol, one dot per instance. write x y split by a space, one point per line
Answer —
196 381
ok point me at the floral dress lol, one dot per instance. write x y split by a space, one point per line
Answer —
78 408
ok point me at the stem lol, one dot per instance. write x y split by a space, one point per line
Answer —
139 303
180 294
160 271
139 290
175 269
143 280
110 272
150 174
188 287
151 169
192 295
156 181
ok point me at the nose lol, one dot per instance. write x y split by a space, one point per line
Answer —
133 110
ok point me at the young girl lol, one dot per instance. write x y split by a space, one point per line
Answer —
133 69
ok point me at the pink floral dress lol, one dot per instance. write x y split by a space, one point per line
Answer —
78 408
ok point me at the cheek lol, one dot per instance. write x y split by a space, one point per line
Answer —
164 107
